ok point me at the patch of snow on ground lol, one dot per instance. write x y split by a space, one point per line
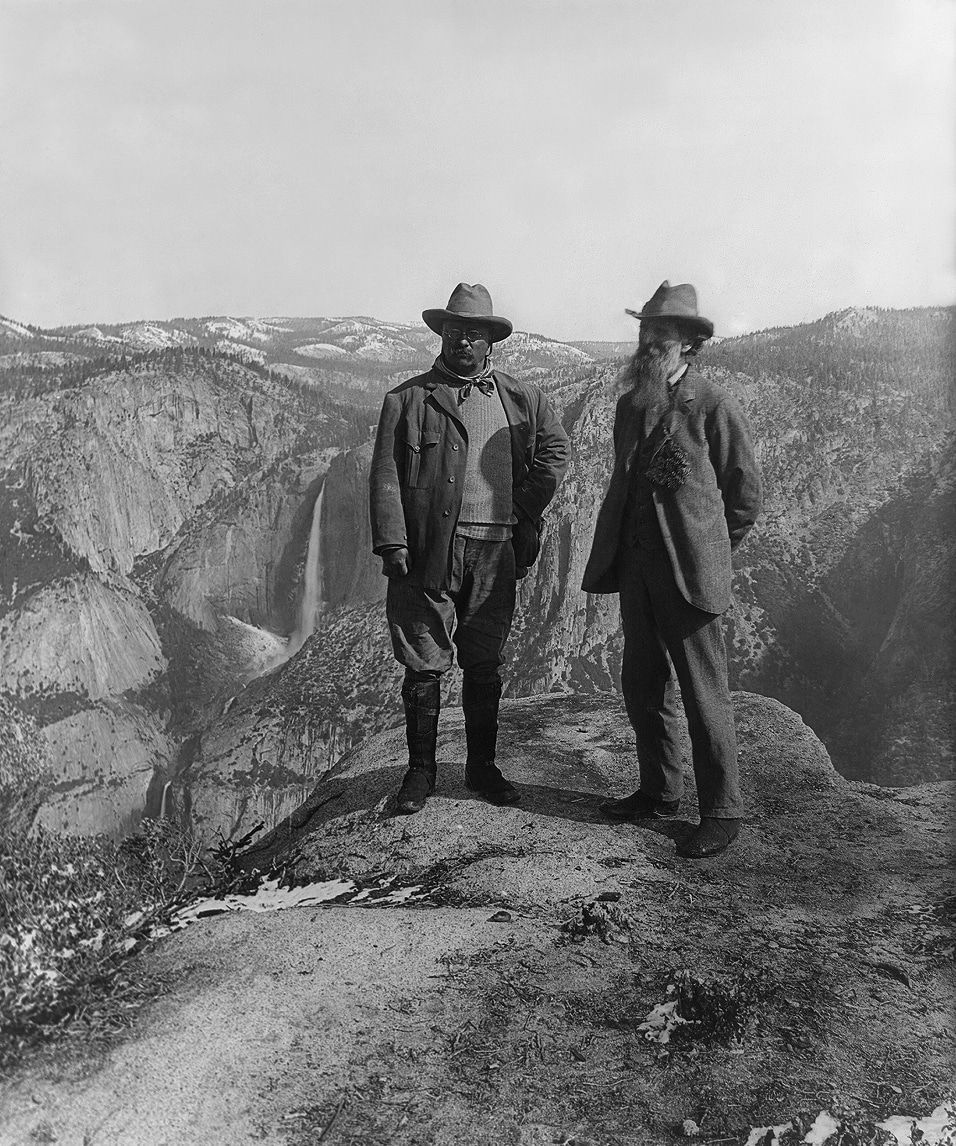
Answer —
373 345
824 1127
529 343
94 334
758 1133
661 1023
263 331
320 349
149 336
271 897
245 353
227 327
936 1129
38 358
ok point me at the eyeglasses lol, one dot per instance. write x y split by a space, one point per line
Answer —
456 332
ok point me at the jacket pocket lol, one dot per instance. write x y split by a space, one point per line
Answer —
421 460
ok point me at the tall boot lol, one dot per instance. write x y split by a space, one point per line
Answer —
422 699
480 700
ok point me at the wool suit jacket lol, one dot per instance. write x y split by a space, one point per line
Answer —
703 520
418 467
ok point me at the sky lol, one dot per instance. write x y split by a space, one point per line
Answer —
164 158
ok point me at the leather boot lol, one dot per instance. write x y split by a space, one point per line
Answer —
422 699
480 700
640 806
713 836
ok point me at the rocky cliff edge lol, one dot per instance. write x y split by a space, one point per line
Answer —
552 978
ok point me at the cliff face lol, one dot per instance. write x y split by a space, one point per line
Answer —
351 575
79 636
103 758
149 509
285 730
902 693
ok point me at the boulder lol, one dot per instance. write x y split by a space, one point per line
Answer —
566 753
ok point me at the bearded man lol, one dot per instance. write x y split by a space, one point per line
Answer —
466 459
683 495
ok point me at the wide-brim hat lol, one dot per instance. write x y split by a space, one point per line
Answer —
469 304
677 302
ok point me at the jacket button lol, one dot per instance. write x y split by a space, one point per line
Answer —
446 513
451 479
454 447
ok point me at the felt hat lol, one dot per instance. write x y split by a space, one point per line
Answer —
468 304
677 302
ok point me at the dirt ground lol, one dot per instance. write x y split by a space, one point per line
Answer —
506 1005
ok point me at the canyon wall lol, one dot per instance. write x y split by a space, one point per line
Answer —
157 511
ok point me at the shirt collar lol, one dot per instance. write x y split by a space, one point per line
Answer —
678 374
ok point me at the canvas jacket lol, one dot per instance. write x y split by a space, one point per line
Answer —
418 467
704 520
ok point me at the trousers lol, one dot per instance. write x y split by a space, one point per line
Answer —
473 615
665 638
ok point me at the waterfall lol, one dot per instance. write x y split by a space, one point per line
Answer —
311 604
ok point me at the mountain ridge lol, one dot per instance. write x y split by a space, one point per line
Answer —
185 478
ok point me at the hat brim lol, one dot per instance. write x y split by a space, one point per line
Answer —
700 326
434 319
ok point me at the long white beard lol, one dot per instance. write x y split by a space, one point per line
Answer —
646 376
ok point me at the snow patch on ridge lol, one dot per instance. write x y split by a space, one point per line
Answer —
271 897
12 327
320 349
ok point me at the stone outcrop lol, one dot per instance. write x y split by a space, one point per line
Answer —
451 967
103 759
565 753
79 636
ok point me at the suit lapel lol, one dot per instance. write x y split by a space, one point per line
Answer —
687 391
518 422
441 396
631 442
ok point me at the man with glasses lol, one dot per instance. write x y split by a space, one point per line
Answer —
466 459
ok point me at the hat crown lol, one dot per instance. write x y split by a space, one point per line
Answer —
677 302
471 301
672 301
